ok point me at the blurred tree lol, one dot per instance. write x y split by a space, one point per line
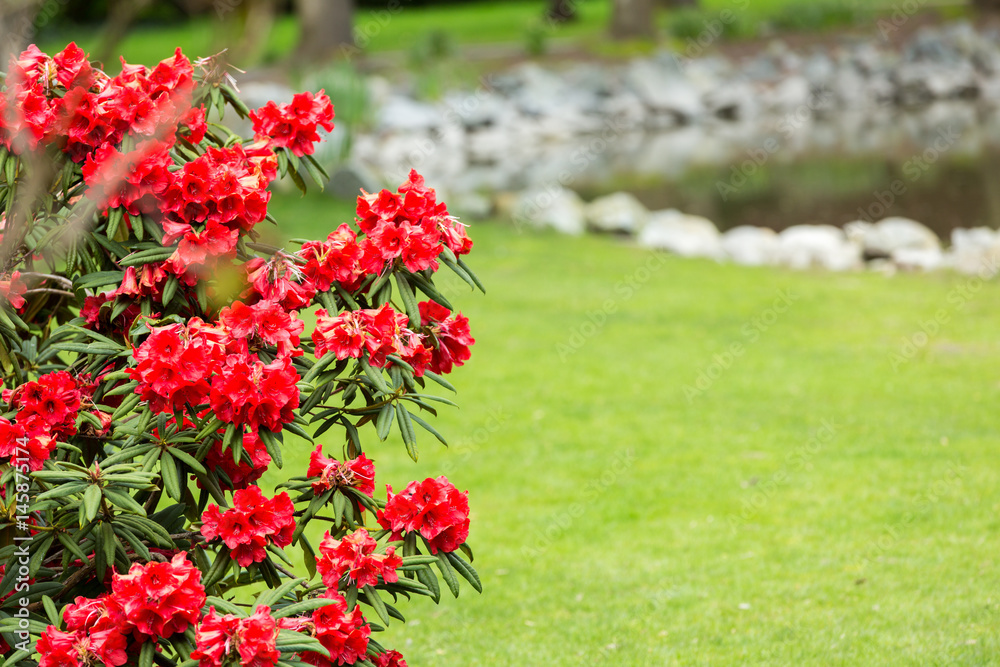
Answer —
561 11
325 27
121 14
633 19
17 26
987 5
253 22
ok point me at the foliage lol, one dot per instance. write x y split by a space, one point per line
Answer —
138 419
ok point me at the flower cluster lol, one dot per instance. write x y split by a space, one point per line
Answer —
337 259
342 633
73 649
358 473
158 600
246 391
434 508
293 125
251 641
355 556
265 321
253 523
46 411
409 226
12 289
374 334
451 334
63 101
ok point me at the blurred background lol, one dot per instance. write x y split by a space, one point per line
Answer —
772 444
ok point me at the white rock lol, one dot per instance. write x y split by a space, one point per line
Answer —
892 234
664 91
751 246
403 114
620 212
681 234
918 259
823 246
974 251
554 207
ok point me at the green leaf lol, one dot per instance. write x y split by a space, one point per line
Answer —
169 289
146 654
409 299
50 610
430 429
272 597
467 571
303 607
91 503
168 473
377 604
406 430
384 422
188 460
448 573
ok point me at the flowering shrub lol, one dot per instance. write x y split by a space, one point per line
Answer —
156 364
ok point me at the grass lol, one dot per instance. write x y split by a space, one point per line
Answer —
510 22
830 498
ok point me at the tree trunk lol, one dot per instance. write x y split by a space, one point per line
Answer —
633 19
325 26
252 24
674 4
561 11
987 5
19 21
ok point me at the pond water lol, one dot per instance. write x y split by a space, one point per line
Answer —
941 168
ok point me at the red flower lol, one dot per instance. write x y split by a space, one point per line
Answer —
277 280
334 260
434 508
390 659
345 635
244 473
451 333
377 333
293 125
355 556
174 363
95 615
248 392
266 321
48 406
12 288
80 649
358 473
252 524
22 448
250 640
160 599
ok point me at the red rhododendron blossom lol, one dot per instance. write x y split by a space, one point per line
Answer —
434 508
278 279
451 334
358 473
174 363
252 466
266 322
160 599
48 406
12 289
22 448
375 333
134 180
344 634
335 260
249 392
252 641
409 226
355 556
389 659
81 649
253 522
94 615
293 125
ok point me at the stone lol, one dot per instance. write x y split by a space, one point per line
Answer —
553 207
891 234
974 251
682 234
817 246
751 246
402 114
918 259
618 213
470 205
663 91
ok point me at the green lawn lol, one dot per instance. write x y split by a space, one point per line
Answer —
507 22
829 498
